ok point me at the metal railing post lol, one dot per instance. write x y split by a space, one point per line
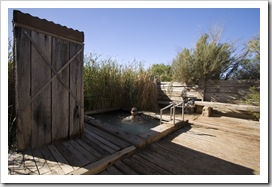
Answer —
174 113
164 109
183 110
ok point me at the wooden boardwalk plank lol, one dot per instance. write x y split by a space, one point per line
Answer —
96 149
90 149
51 161
81 151
130 138
158 160
105 172
102 139
215 147
102 164
111 138
124 168
222 150
213 136
88 134
204 141
186 161
29 163
40 162
113 171
239 127
150 164
64 164
172 165
139 167
69 156
213 165
77 159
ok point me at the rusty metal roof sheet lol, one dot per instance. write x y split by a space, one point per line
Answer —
42 25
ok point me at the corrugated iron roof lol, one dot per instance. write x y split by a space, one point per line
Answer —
42 25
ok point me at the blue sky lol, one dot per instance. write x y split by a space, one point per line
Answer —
150 35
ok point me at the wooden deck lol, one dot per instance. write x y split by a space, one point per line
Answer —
101 145
228 147
95 150
206 146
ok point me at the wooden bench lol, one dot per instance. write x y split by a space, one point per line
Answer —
233 107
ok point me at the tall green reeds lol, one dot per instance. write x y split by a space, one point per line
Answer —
11 97
108 84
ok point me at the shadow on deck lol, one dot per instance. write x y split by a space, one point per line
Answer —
169 157
196 148
92 152
100 146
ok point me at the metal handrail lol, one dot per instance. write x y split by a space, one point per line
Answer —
168 106
174 111
172 107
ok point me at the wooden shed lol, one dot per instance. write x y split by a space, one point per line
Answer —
49 81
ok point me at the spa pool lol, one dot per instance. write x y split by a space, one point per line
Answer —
115 118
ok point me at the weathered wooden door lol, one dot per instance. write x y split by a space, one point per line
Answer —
49 81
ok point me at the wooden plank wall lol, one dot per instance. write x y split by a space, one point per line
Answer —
40 75
23 83
54 114
228 91
171 91
60 96
76 86
224 91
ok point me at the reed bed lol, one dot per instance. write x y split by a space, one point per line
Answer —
11 100
108 84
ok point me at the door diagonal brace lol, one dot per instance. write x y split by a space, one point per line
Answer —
55 72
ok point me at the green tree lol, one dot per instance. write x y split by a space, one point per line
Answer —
253 98
161 71
208 60
247 66
183 67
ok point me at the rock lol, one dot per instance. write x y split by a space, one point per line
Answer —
207 111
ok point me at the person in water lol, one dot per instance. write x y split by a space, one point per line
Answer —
134 118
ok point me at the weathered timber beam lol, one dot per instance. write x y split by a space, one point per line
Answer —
250 108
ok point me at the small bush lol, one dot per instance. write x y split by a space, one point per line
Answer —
253 98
